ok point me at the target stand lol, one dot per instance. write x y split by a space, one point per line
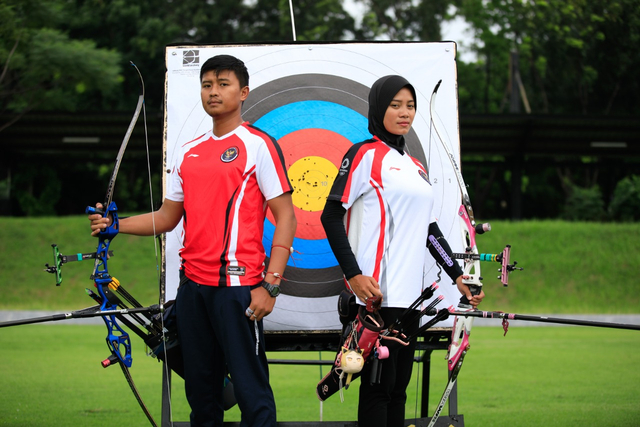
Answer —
313 99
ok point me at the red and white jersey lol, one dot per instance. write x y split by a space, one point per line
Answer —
389 202
224 183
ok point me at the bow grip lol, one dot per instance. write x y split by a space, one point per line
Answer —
475 290
111 231
101 270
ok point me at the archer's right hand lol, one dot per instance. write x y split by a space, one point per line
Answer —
365 287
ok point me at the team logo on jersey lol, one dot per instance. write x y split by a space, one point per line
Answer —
424 175
344 167
229 155
235 270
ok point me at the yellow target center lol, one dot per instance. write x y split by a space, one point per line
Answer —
311 178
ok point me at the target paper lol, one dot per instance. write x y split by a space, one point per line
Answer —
313 100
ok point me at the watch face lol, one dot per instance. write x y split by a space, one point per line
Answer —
273 290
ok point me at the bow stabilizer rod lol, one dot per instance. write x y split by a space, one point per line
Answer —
543 319
88 312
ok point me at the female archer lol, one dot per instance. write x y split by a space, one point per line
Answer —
390 225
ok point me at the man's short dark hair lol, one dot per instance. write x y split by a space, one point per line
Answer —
226 63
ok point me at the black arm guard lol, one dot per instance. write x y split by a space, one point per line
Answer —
441 252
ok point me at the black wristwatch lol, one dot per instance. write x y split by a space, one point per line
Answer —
274 290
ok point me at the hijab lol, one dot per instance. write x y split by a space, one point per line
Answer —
380 96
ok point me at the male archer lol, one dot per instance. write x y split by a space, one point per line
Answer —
220 186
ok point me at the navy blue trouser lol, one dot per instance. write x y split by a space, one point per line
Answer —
383 405
215 335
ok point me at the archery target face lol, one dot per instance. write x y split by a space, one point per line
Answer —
313 100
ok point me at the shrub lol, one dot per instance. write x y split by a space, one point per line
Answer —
625 203
37 189
584 204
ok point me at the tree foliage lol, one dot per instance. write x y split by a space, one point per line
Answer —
42 67
403 19
576 56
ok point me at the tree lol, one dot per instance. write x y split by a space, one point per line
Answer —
575 55
42 68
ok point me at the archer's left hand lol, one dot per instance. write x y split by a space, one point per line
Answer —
474 300
99 222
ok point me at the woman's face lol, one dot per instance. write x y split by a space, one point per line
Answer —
400 113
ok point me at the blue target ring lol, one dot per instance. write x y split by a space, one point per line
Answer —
315 115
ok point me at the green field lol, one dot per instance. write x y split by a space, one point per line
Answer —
50 374
574 376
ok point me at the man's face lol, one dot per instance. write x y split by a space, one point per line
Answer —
222 95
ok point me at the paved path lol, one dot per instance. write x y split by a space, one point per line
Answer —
634 319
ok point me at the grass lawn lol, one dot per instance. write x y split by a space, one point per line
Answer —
51 375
